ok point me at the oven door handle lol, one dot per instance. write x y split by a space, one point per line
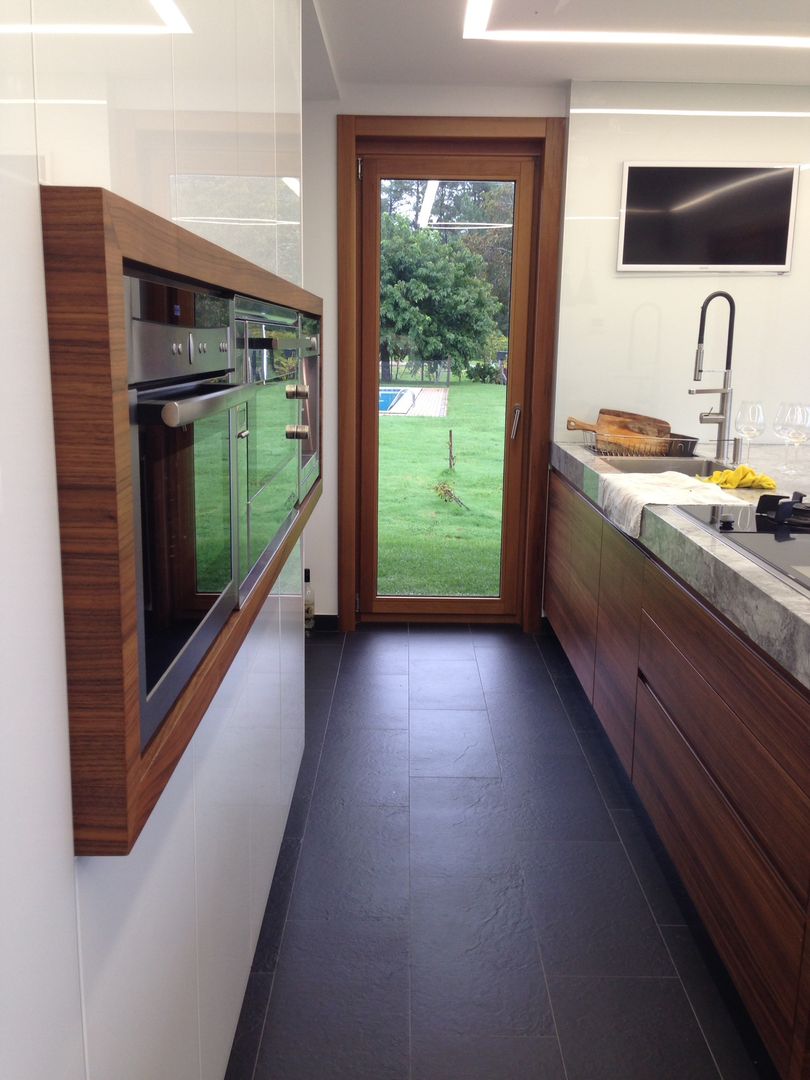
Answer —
185 411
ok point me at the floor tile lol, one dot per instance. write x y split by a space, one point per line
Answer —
353 863
664 896
607 770
334 638
554 798
420 902
363 765
445 684
512 669
553 656
440 643
460 827
579 709
321 666
501 635
275 914
738 1058
442 1055
339 1009
373 700
367 653
629 1029
249 1029
475 965
591 915
451 743
532 721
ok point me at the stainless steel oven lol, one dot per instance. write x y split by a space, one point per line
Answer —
183 408
277 356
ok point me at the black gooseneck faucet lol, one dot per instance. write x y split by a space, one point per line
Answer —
722 418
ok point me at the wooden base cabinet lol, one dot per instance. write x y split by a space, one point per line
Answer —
617 640
571 592
754 921
716 739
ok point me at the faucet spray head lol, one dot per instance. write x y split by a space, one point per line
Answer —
698 373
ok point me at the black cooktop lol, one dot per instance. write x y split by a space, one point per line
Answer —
775 532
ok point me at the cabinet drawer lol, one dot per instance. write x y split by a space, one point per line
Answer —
756 925
766 798
773 710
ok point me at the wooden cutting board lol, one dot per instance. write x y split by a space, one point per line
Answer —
631 433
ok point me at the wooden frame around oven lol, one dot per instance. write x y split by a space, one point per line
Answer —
89 234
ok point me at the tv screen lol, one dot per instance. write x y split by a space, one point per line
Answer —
707 217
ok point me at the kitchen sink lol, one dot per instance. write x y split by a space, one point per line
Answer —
690 466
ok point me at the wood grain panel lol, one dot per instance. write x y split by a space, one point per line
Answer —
89 235
755 923
772 806
575 531
776 711
542 367
348 295
617 640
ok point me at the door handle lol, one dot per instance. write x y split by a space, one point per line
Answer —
515 422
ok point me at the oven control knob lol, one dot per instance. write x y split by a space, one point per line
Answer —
300 392
726 522
297 431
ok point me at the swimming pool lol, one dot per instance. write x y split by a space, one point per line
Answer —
388 396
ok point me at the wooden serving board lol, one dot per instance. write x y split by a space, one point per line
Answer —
631 433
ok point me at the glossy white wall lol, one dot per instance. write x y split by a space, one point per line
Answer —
153 962
202 127
627 341
40 1006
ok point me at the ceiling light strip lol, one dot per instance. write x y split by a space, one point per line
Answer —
172 22
476 26
747 113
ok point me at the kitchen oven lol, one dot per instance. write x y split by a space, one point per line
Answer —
278 428
183 404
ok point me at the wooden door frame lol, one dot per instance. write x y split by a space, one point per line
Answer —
544 138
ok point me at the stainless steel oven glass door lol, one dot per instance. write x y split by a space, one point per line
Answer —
268 458
187 580
310 380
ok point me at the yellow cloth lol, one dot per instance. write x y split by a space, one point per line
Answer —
741 477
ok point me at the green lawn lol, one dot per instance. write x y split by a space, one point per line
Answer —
428 547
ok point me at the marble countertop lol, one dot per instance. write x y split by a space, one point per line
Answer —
759 603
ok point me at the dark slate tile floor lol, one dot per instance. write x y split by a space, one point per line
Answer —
468 889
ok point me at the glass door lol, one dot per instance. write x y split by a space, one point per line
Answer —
445 327
268 461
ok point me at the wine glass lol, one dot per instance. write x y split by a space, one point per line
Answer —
749 422
792 423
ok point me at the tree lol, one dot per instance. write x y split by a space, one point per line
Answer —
435 300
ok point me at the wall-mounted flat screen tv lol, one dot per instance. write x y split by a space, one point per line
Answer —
709 218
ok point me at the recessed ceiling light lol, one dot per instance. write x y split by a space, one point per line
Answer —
52 101
747 113
476 23
172 22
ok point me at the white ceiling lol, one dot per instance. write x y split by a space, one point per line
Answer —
420 42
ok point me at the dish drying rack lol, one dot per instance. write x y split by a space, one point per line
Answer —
614 445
